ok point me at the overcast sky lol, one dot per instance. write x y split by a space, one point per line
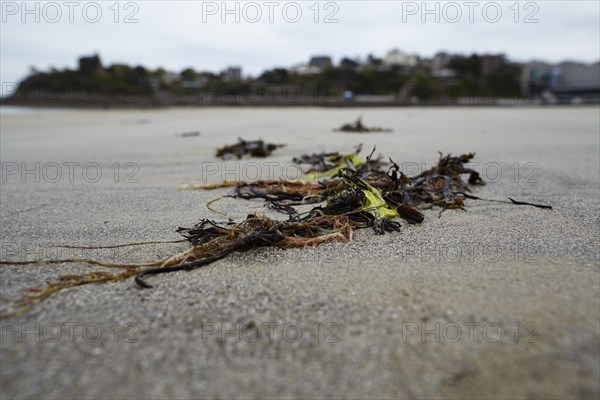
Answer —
178 34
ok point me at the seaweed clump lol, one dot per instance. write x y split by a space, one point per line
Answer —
355 193
443 185
358 127
253 148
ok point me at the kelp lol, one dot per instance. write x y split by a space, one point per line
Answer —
358 127
441 186
212 242
323 165
30 297
361 195
351 193
253 148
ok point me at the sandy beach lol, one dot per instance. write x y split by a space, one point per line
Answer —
497 301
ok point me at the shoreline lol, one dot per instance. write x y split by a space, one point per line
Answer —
323 105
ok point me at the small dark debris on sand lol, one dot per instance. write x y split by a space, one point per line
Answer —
358 127
253 148
188 134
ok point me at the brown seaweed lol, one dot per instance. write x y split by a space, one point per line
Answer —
362 195
358 127
253 148
352 193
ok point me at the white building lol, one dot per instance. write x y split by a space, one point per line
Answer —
397 58
232 74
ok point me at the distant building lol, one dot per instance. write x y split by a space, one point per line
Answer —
90 66
439 66
316 65
440 61
194 84
397 58
304 69
197 82
321 62
348 63
575 82
166 78
232 74
565 82
535 78
444 73
170 77
575 76
490 64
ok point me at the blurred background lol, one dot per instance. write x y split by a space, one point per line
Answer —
148 53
